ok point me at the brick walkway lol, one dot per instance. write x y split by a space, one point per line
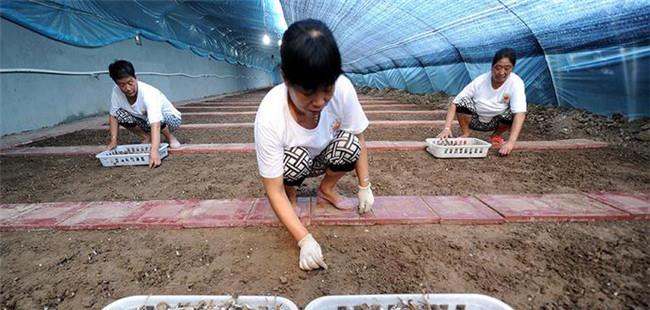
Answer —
479 209
250 147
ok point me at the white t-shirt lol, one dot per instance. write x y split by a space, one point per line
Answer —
151 103
276 130
491 102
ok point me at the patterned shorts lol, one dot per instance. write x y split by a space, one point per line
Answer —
341 154
467 105
127 120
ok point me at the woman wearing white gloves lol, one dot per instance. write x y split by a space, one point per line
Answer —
310 125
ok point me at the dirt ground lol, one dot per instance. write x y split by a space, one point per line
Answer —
551 122
202 119
245 135
604 265
82 178
529 266
254 108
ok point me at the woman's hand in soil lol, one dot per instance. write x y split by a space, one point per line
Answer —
366 199
154 159
311 256
445 133
506 148
111 146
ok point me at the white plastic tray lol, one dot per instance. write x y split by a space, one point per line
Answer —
457 147
470 301
129 155
136 302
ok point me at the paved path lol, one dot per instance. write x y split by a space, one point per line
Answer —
570 144
479 209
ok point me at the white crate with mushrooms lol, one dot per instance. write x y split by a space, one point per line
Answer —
204 302
130 155
457 147
408 302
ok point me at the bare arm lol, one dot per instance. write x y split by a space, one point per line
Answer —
361 167
155 135
366 198
154 155
451 114
517 124
311 256
114 130
282 207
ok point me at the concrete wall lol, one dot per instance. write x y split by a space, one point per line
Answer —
31 101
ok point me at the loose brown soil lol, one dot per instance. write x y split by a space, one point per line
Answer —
245 135
218 109
551 122
202 119
82 178
254 108
529 266
602 265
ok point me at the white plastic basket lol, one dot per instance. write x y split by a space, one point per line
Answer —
402 301
129 155
457 147
218 301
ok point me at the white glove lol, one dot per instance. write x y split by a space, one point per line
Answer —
311 256
366 199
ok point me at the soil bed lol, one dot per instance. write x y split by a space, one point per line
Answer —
202 119
531 266
550 121
542 123
245 135
218 109
216 176
254 108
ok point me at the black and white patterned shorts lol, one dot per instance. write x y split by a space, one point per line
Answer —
127 120
341 154
467 105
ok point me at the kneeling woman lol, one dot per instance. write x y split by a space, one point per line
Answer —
494 101
310 125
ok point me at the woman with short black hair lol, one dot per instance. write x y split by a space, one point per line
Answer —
310 125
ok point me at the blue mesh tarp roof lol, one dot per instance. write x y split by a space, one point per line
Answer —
592 54
587 54
378 35
224 30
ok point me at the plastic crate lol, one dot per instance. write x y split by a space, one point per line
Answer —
457 147
149 302
129 155
401 301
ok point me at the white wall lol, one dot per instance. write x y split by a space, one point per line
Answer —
31 101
